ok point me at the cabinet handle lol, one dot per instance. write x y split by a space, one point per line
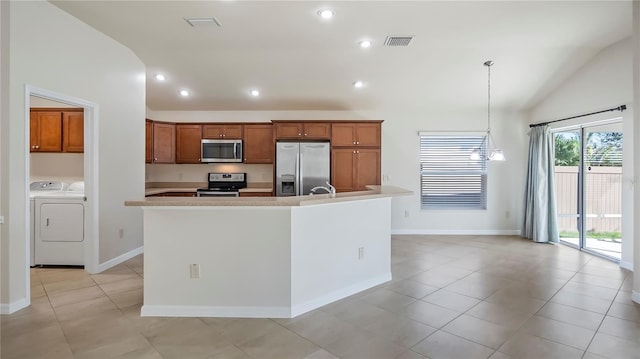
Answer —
305 134
357 151
354 152
354 142
299 134
47 222
155 159
37 147
357 143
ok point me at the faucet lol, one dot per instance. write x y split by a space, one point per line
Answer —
331 190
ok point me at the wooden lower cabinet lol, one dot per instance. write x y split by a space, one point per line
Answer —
353 169
256 194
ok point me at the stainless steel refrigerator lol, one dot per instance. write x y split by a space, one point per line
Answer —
300 166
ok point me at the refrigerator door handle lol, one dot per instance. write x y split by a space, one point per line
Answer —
300 173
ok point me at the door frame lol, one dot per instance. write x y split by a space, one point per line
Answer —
91 165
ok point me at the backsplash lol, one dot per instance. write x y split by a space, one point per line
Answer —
198 172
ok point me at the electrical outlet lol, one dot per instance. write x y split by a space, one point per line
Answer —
385 178
194 271
360 253
1 219
121 233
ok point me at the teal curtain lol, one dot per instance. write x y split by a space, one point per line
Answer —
540 215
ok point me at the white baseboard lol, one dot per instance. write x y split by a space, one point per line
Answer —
635 296
214 311
310 305
119 259
471 232
10 308
626 265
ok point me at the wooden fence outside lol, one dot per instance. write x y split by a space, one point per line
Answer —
603 198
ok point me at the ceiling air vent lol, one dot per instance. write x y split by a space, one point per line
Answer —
398 40
203 22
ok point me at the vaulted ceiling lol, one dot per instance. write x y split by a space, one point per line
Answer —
300 61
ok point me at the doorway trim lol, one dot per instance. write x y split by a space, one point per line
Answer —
91 161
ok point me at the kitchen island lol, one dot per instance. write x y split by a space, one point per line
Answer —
275 257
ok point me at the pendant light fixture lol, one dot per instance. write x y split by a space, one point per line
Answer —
495 154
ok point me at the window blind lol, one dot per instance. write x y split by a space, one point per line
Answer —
448 177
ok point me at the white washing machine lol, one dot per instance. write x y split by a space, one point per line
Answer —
58 223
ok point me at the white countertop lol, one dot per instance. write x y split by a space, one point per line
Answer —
373 192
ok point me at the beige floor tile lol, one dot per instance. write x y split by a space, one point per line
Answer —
387 299
410 354
445 345
143 353
500 355
589 355
430 314
322 328
67 285
433 279
114 346
411 288
614 347
127 299
607 282
495 313
85 308
590 290
50 275
364 344
524 345
231 352
122 285
515 302
575 300
278 344
581 318
479 331
360 313
75 296
45 342
627 311
625 329
451 300
37 290
114 275
188 338
400 330
238 331
321 354
16 325
450 271
559 332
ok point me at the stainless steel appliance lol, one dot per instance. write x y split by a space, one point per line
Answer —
223 185
221 150
301 166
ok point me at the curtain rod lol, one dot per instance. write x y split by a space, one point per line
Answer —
619 108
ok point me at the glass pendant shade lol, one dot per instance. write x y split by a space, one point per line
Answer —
495 154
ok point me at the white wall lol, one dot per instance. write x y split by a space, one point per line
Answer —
400 161
52 50
606 81
4 152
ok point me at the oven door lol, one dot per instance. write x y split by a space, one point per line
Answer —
207 193
221 151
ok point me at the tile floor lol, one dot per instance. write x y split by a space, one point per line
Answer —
450 297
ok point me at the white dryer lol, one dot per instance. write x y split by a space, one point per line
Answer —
58 226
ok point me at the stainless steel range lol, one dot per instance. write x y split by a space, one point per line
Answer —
223 185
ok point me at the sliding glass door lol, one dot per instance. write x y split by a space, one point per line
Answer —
588 176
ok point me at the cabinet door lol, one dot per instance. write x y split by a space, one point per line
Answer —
368 134
212 131
343 169
73 132
188 143
148 155
288 130
343 134
367 168
232 132
258 144
164 141
316 131
48 132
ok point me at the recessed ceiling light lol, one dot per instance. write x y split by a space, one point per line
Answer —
254 93
358 84
160 77
326 13
365 43
184 93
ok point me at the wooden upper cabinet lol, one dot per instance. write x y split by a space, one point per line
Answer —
148 155
46 131
303 130
258 143
188 143
353 134
353 169
222 131
72 131
164 142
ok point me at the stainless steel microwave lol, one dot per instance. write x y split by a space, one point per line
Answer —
221 151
